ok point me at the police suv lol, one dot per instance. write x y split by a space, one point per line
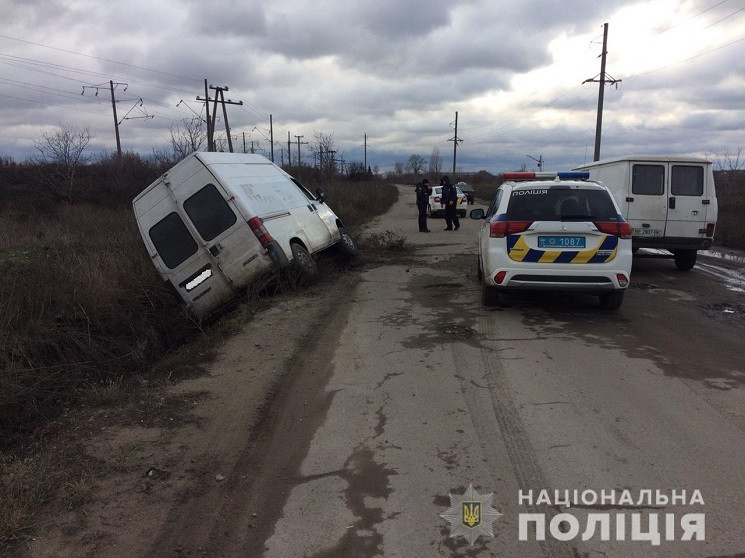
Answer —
554 231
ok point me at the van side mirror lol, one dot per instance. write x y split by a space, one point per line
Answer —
321 195
477 214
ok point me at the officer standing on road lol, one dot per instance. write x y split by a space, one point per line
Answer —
423 191
449 199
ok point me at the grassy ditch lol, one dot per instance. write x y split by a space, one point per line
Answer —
84 317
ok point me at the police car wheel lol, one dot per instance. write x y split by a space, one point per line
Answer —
303 269
612 300
489 295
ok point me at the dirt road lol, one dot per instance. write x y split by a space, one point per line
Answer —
337 423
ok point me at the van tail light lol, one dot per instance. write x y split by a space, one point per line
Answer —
258 228
500 227
621 229
710 229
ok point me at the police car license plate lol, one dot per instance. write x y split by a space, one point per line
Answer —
561 242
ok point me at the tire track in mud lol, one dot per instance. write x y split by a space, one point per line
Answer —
241 515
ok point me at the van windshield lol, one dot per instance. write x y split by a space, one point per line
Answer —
559 204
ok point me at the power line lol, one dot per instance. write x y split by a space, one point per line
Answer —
700 54
99 58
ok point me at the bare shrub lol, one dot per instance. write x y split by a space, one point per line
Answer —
61 154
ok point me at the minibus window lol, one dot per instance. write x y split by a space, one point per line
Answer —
172 240
687 181
648 180
209 212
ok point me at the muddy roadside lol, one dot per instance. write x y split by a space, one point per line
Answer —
180 440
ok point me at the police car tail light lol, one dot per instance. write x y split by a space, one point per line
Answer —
499 277
623 281
621 229
437 199
258 228
501 227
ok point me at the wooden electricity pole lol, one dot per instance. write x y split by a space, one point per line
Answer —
455 141
219 98
602 79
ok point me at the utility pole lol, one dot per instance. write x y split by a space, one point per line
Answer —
298 149
539 160
365 153
455 141
210 145
289 151
116 122
271 136
602 79
219 98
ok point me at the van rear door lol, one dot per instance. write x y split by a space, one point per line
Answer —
178 254
222 229
648 200
686 213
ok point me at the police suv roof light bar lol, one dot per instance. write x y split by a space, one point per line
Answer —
570 175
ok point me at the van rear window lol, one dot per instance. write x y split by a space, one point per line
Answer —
209 212
687 181
648 180
172 240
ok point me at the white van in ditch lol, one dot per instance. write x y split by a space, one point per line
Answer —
669 201
217 222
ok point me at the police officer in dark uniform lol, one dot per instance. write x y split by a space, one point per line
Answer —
449 199
423 191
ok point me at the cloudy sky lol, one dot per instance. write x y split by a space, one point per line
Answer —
394 70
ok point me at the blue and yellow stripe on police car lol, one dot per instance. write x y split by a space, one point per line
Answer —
520 252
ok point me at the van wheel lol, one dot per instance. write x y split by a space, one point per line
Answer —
685 259
347 248
303 269
611 301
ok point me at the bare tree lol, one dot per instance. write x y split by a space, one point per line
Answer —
729 165
327 153
399 167
187 137
61 154
416 163
435 161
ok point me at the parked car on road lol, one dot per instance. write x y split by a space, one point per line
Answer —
436 208
468 191
216 223
565 234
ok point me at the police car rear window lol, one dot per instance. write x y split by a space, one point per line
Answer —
554 204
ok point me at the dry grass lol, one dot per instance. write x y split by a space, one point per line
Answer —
85 322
